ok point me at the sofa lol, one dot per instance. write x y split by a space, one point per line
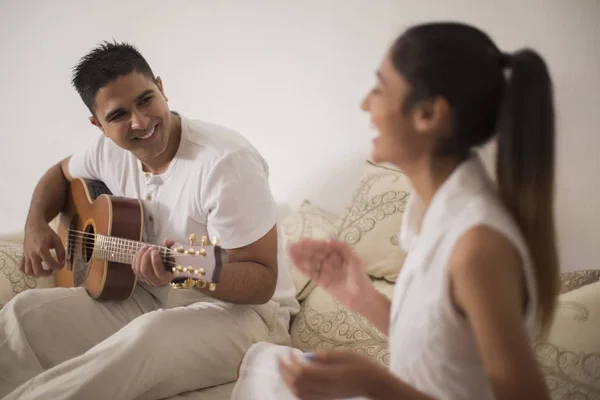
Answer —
569 355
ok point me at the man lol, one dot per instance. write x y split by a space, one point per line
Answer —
192 177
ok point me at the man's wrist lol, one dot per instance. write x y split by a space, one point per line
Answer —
34 218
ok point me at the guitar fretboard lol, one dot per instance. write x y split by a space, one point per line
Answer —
120 250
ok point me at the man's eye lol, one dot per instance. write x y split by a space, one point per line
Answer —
145 100
117 116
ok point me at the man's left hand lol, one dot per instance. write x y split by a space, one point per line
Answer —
148 265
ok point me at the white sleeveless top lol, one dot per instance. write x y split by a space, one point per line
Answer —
432 347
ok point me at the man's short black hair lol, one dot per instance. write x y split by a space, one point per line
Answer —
103 64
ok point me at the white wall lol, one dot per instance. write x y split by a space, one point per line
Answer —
290 76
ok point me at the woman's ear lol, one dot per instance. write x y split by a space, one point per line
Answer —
431 117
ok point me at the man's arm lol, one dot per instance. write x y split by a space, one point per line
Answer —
250 275
47 201
241 212
50 193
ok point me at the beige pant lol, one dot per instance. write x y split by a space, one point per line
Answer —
61 344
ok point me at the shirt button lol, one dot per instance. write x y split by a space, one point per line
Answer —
149 197
151 218
148 175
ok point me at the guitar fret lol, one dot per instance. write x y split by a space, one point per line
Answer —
121 250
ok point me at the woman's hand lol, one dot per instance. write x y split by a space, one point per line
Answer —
332 374
334 266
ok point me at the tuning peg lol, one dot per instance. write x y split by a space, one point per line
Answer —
212 287
178 268
192 239
200 271
190 269
200 284
202 252
179 249
177 285
189 283
203 241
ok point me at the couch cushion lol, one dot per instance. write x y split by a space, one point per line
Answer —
12 280
371 222
323 323
309 221
570 355
576 279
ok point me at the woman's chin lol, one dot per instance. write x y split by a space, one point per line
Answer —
376 157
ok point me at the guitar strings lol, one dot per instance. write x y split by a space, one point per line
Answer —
90 238
131 254
118 253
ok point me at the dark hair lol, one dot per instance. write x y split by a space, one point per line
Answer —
463 65
103 64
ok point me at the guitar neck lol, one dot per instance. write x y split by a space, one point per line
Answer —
121 250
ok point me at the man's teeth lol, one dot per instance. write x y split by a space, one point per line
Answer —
147 135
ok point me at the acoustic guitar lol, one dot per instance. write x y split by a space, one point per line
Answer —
101 234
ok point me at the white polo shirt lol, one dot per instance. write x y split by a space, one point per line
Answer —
217 185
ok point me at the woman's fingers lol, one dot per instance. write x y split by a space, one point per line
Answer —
321 261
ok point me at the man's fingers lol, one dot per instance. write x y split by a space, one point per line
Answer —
60 251
147 271
50 262
27 266
136 265
135 262
159 267
36 265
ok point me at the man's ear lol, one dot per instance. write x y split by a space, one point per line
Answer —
160 88
97 124
431 116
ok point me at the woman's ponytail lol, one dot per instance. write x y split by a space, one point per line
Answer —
525 166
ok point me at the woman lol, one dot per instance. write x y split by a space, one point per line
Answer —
480 277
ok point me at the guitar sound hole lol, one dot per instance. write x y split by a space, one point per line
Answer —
88 243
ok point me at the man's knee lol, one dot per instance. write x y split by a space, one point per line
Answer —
31 299
19 304
149 328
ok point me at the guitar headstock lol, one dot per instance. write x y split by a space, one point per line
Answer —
197 266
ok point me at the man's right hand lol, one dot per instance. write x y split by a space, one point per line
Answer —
39 239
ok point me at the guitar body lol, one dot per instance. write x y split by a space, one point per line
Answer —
91 210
